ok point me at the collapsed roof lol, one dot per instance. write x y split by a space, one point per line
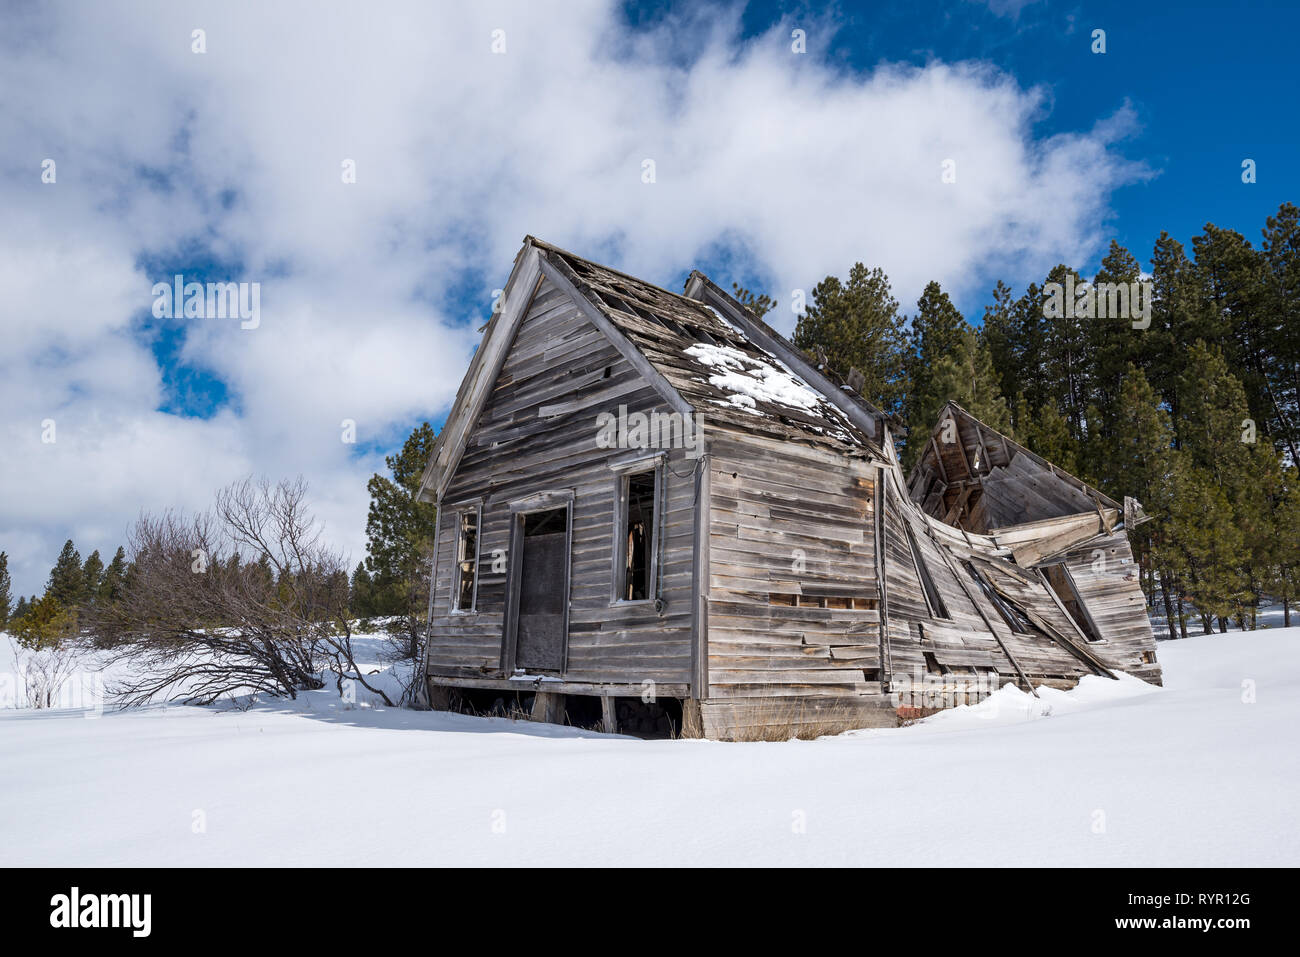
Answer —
974 477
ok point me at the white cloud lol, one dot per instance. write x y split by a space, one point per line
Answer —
1006 8
167 155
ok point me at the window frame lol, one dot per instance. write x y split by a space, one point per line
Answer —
1088 627
934 602
474 508
1003 607
624 471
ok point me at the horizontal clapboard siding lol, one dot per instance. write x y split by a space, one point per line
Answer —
536 433
790 522
1106 578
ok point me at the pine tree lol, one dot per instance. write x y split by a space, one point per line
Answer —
1181 315
937 330
965 376
1214 418
1065 358
1281 252
284 590
400 533
759 305
20 610
257 577
1233 276
1045 432
1257 508
1286 525
67 581
92 574
46 623
113 582
1029 345
1136 451
361 593
1139 443
1114 345
338 589
855 325
1215 470
6 598
936 333
1204 550
998 335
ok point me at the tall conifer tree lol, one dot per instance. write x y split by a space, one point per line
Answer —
856 325
92 573
67 581
400 534
1281 249
6 598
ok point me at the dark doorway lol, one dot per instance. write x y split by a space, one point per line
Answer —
542 626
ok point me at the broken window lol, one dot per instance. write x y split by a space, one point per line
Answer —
1062 582
465 587
1016 619
638 532
933 600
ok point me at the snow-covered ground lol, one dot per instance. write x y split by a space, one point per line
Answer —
1202 772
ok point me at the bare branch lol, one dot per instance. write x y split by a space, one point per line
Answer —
243 599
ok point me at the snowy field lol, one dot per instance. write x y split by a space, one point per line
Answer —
1202 772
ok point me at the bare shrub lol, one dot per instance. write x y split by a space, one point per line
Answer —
399 652
243 598
43 672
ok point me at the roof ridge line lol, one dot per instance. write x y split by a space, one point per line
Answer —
551 247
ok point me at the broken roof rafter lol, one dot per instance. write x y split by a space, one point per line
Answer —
1011 449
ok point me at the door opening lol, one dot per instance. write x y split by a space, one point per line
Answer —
542 593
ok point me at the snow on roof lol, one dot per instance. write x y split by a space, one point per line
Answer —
709 361
751 379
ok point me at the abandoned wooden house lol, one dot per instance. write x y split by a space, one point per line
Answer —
654 511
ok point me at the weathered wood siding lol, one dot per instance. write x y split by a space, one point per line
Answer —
787 522
963 641
1113 597
981 481
559 359
790 522
912 631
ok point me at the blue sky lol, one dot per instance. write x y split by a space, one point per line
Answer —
1210 84
773 168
